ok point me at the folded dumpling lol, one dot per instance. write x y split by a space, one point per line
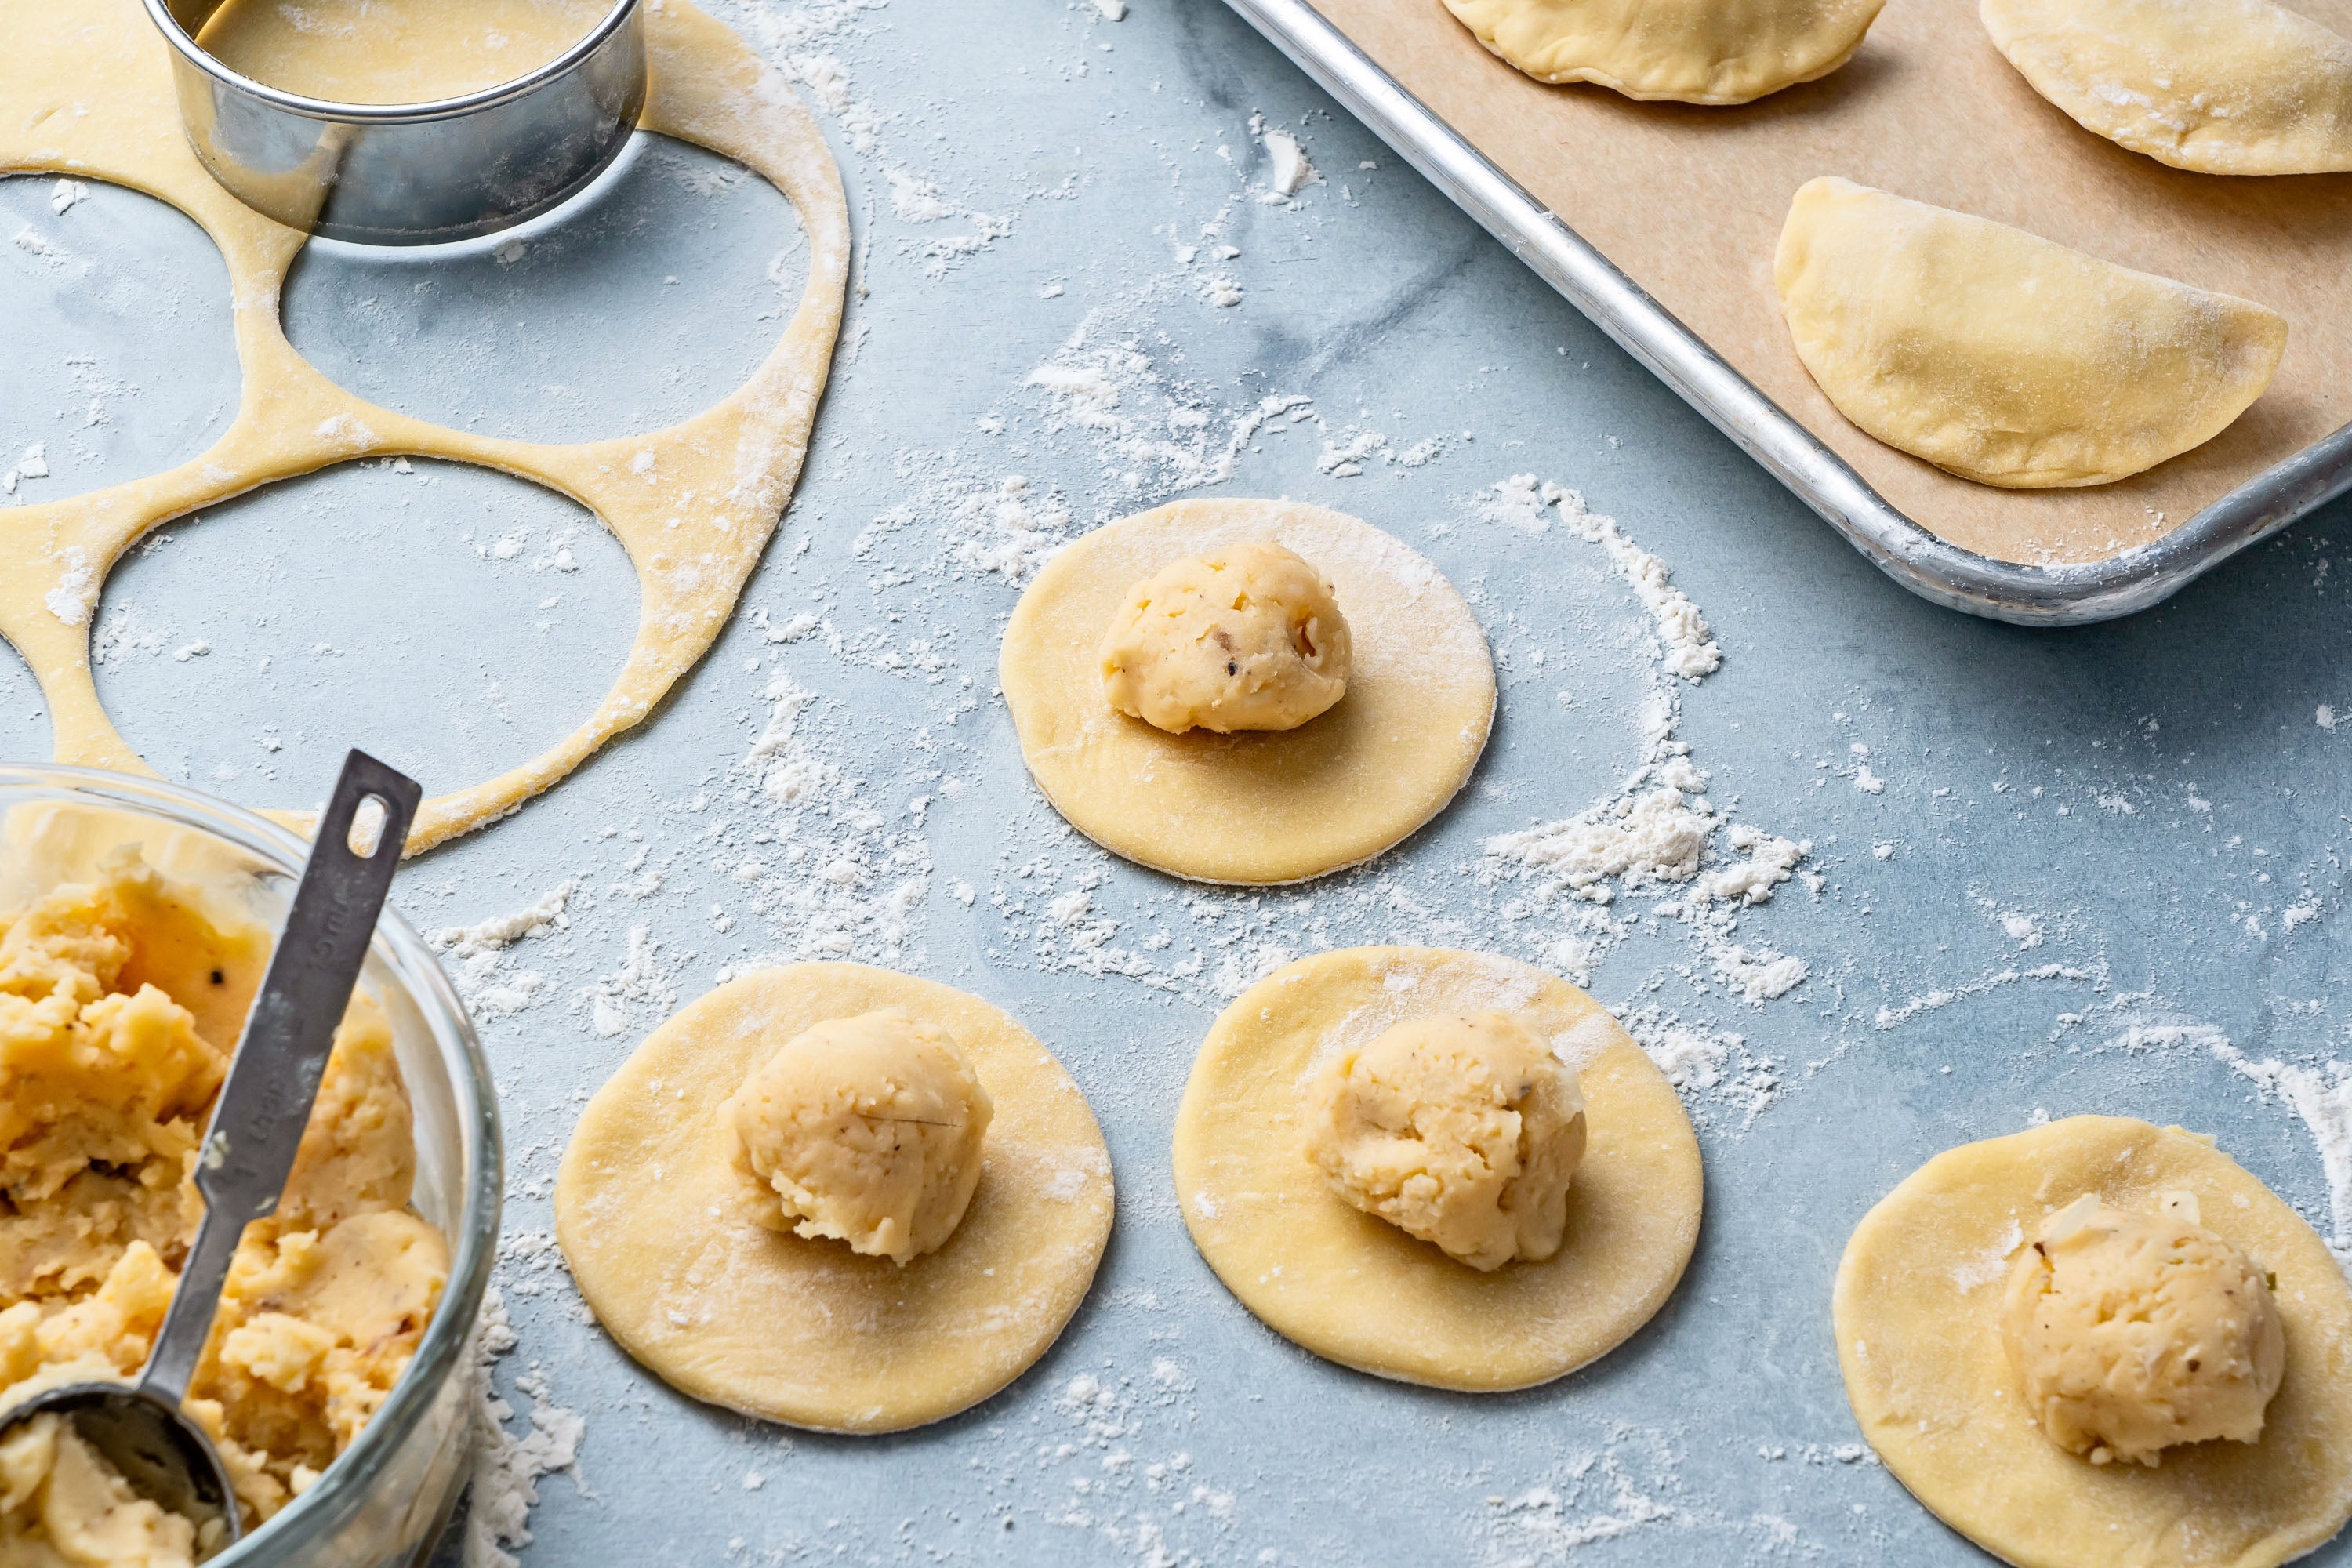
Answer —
2223 87
1697 51
2003 356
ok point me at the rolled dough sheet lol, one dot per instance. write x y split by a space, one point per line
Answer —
693 505
1277 806
1355 1288
656 1221
1689 201
1918 1317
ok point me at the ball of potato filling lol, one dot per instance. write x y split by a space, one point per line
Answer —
865 1130
2131 1332
1461 1131
1247 637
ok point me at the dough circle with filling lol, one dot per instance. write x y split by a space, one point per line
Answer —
658 1221
693 505
1357 1290
1918 1312
1260 806
2004 357
1696 51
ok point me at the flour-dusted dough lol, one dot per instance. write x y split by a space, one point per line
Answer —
1697 51
1268 805
1917 1313
1357 1290
658 1225
2222 87
693 505
2002 356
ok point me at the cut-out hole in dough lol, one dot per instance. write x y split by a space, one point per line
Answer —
24 716
121 359
519 335
498 613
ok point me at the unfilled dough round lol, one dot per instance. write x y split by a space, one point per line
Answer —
2002 356
1917 1313
655 1219
1264 806
1357 1290
2221 87
1697 51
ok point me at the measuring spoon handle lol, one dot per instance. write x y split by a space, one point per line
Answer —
265 1102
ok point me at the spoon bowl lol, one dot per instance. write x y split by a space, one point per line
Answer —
164 1455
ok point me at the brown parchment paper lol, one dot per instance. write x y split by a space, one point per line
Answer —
1690 200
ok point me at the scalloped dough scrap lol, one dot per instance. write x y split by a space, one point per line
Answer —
1354 1288
1918 1314
1264 806
672 1245
1696 51
2004 357
2221 87
693 505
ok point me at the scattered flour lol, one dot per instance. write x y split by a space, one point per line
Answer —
507 1468
1290 171
478 953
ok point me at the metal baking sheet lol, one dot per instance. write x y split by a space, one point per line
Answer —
1920 560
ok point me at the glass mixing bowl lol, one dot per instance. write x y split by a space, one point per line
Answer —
386 1501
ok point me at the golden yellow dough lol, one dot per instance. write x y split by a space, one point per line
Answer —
2131 1334
1356 1289
1463 1130
393 51
1697 51
121 998
1269 805
1918 1310
868 1129
659 1223
2000 356
1245 637
2221 87
693 504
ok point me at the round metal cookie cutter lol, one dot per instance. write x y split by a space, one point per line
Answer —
411 174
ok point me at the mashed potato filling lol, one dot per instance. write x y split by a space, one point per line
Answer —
120 1001
2132 1332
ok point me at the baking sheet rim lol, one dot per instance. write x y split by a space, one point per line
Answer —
1934 568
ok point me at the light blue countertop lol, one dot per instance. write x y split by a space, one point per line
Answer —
2093 870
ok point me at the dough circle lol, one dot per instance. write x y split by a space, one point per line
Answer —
1693 51
693 505
1355 1288
2004 357
1262 806
655 1220
1918 1317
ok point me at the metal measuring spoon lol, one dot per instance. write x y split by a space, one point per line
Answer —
257 1126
